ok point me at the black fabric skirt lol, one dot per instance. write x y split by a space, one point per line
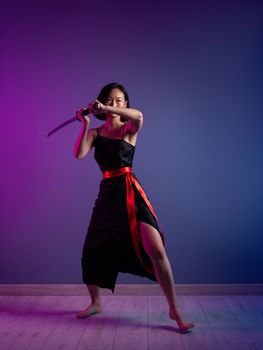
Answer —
108 247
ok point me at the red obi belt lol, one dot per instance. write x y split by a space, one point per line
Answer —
134 228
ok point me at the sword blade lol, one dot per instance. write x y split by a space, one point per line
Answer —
66 122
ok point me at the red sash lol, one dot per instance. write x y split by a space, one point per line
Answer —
131 207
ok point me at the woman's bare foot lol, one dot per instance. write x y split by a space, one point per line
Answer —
184 327
90 310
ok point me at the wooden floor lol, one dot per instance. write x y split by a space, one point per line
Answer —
229 322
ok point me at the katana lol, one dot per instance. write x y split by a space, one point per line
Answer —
66 122
85 111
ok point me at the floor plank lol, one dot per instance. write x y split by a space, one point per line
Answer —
132 331
249 316
10 311
67 331
101 328
202 336
131 323
163 332
36 321
224 324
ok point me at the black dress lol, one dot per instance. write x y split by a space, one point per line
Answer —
108 247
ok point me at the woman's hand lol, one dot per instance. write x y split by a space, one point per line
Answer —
96 107
85 118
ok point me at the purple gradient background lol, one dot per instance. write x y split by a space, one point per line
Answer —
195 70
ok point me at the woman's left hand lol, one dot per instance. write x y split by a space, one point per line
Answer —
96 107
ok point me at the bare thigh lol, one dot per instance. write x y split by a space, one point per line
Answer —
152 241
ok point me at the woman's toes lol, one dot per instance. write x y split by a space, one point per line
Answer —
90 310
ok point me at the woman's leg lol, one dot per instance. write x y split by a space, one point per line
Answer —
153 246
95 306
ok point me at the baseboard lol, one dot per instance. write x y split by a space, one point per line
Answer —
132 289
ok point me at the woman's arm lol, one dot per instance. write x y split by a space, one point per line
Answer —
85 138
134 116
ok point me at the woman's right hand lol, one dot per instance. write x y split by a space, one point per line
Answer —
85 118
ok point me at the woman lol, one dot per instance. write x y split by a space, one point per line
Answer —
123 234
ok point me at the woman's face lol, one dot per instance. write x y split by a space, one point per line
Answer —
116 98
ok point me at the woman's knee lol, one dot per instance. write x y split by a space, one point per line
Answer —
156 253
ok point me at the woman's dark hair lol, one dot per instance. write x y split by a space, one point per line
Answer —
104 93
